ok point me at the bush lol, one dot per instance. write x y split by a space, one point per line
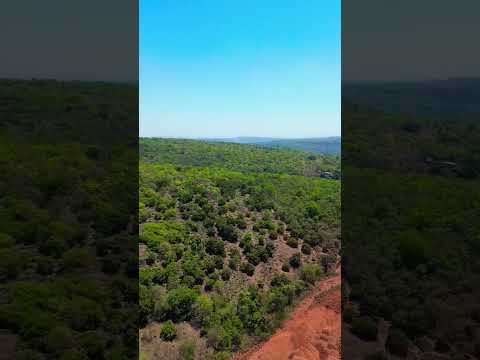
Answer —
285 267
168 332
247 268
209 284
292 242
226 274
215 247
180 303
233 263
202 311
328 262
306 249
311 273
187 350
279 280
365 328
227 231
295 261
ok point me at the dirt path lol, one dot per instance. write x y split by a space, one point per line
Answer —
313 331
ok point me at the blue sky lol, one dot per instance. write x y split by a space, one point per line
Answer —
224 68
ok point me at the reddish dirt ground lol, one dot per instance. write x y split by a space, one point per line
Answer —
313 331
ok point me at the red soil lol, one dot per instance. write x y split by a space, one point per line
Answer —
313 331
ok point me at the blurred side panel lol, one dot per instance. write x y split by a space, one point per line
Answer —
410 171
69 179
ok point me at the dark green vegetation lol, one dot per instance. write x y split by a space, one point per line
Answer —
246 158
327 145
68 268
411 225
213 240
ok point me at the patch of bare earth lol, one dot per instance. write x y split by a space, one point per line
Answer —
153 347
313 331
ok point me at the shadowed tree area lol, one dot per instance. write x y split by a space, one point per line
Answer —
68 224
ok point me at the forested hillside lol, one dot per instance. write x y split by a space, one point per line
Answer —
238 157
226 252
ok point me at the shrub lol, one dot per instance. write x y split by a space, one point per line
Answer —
311 273
227 231
215 247
234 262
202 311
168 332
306 249
226 274
292 242
328 262
365 328
270 248
253 258
247 268
209 284
218 261
187 350
295 261
247 243
285 267
279 280
151 258
180 303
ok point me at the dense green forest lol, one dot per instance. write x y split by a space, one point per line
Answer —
227 251
68 190
410 242
239 157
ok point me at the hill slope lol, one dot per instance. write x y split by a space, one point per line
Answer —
247 158
225 252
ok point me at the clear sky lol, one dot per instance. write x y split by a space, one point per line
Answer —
225 68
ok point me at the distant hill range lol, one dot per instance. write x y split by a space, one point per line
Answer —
327 145
450 99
